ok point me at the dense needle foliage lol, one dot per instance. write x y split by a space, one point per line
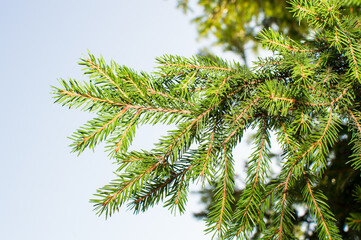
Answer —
305 94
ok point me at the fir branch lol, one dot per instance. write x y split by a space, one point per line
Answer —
354 221
223 83
285 133
260 155
164 110
152 191
136 87
337 42
124 110
355 120
96 67
90 97
131 122
319 141
199 67
180 184
341 95
319 211
317 90
113 196
328 75
240 116
172 74
209 150
291 168
291 48
355 128
152 91
116 117
155 109
306 10
176 141
354 59
224 196
269 64
133 159
291 100
270 193
250 199
198 89
220 217
283 202
305 93
185 85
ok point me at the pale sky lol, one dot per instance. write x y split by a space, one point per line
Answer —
45 189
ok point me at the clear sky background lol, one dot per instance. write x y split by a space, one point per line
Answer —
45 189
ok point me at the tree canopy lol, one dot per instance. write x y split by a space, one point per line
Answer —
307 94
238 22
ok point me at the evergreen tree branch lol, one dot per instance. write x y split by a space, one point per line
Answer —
355 128
209 150
222 212
306 93
319 212
152 91
274 98
354 221
189 80
327 227
140 201
224 191
86 139
96 67
240 116
354 118
281 227
89 97
353 51
179 138
223 83
136 87
246 214
152 191
131 122
200 67
292 49
155 109
112 197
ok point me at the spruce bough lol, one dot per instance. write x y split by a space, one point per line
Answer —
305 94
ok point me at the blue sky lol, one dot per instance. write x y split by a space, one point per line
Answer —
45 190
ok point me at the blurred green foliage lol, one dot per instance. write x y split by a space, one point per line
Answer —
235 23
